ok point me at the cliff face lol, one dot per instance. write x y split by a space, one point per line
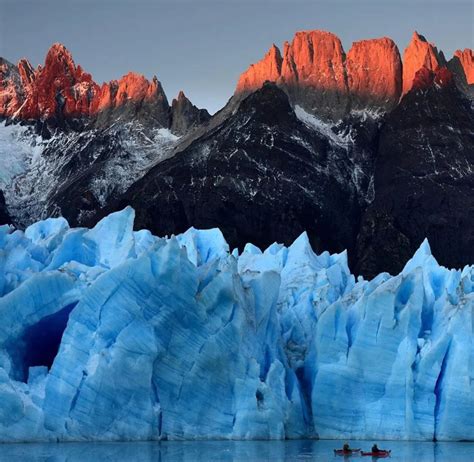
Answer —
466 60
316 73
374 74
462 67
311 71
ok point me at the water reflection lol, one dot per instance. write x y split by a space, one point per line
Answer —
227 451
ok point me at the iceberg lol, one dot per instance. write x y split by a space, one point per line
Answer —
116 334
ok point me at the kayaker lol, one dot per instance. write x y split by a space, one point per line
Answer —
346 447
375 448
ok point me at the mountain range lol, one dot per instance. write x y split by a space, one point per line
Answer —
365 150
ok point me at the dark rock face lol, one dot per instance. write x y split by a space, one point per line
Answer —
424 183
374 187
185 116
261 176
462 67
4 217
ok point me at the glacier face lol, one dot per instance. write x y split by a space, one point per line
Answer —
115 334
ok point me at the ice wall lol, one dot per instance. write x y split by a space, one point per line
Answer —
111 334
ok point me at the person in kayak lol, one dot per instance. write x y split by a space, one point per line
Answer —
346 447
376 450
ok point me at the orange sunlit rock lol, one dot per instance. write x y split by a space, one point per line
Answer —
62 89
131 88
316 59
374 73
269 68
466 59
57 89
10 89
419 54
311 70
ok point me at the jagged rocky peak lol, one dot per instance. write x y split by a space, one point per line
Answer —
418 54
61 82
10 88
425 156
132 96
61 90
269 68
132 99
311 71
131 87
59 60
462 66
58 89
466 60
185 116
316 74
374 73
27 72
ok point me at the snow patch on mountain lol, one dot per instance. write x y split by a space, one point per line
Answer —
19 149
141 150
33 169
323 128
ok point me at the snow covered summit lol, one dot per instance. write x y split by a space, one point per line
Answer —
112 334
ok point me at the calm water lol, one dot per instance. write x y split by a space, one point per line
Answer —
228 451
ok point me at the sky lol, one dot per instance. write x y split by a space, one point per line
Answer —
202 46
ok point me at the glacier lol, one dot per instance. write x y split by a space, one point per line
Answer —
114 334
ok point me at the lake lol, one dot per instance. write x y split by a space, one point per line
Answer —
228 451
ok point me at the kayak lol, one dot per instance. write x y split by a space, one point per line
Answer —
377 454
342 452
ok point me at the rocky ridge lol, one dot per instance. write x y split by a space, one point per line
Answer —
316 73
61 90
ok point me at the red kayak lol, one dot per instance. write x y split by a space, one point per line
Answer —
342 452
382 453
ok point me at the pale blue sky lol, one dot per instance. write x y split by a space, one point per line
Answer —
202 46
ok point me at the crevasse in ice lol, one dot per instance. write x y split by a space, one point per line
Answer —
112 334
